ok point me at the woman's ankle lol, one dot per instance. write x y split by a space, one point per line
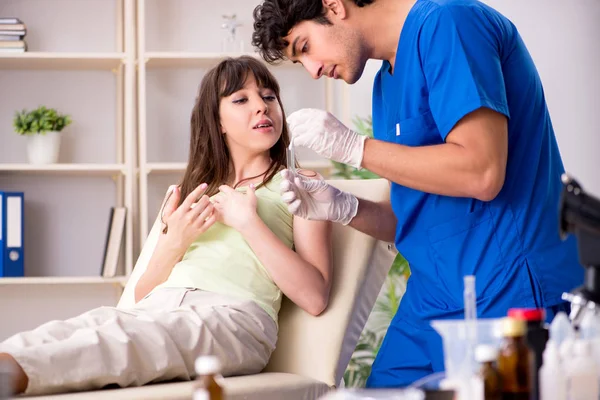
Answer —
19 377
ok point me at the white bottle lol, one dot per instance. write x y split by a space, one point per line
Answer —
582 373
561 328
553 382
590 330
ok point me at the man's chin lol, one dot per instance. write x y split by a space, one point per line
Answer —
354 76
352 79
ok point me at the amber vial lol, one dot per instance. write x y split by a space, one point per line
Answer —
487 357
514 361
208 376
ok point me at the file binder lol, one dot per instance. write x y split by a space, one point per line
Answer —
2 218
12 237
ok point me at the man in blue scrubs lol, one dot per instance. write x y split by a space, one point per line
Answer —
461 130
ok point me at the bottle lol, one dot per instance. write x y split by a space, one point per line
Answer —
582 373
589 329
486 356
208 375
6 388
553 383
514 361
536 337
561 329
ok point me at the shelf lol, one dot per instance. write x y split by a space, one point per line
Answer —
61 61
318 165
165 167
63 280
192 60
186 59
66 169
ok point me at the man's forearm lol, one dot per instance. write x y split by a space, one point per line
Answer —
471 163
438 169
375 219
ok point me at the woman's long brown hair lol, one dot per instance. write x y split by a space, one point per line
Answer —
209 161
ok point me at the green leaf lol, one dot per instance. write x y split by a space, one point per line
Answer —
39 121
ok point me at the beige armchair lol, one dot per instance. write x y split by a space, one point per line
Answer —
312 352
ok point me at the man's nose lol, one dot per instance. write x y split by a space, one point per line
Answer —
314 68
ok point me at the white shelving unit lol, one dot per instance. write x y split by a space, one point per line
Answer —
161 59
150 61
66 169
122 64
62 61
120 281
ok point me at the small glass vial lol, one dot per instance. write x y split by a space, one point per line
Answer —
514 361
486 356
208 376
536 337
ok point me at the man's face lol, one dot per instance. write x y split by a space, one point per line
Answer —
332 50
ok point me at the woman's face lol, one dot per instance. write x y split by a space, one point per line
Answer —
251 118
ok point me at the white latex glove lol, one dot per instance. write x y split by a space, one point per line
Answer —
315 199
323 133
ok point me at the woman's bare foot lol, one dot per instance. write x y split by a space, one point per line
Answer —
20 379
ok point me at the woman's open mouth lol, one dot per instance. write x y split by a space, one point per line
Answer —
264 126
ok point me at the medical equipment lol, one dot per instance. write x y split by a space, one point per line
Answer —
580 214
291 157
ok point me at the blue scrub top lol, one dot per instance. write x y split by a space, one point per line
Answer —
453 57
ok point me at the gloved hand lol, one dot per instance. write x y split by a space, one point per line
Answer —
315 199
321 132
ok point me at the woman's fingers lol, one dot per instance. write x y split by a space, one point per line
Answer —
209 222
193 197
171 201
204 215
200 208
226 189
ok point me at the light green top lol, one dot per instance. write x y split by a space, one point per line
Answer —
221 261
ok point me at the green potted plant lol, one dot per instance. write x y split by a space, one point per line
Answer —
41 126
390 295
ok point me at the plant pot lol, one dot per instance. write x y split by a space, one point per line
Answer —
43 148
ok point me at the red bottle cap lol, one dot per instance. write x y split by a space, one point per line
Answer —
527 314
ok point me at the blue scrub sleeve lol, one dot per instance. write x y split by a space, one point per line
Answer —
461 56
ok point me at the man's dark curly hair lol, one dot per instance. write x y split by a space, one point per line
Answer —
274 19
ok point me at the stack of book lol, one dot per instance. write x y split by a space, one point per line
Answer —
12 35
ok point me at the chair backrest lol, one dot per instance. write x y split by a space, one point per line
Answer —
321 347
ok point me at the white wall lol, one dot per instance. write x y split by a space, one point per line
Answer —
564 40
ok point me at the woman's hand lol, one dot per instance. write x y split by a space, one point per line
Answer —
188 221
236 209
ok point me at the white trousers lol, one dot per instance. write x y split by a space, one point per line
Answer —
156 340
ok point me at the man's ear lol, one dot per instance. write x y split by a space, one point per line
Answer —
335 8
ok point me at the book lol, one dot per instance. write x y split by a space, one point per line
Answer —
12 27
19 34
12 50
10 20
11 38
114 240
13 44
